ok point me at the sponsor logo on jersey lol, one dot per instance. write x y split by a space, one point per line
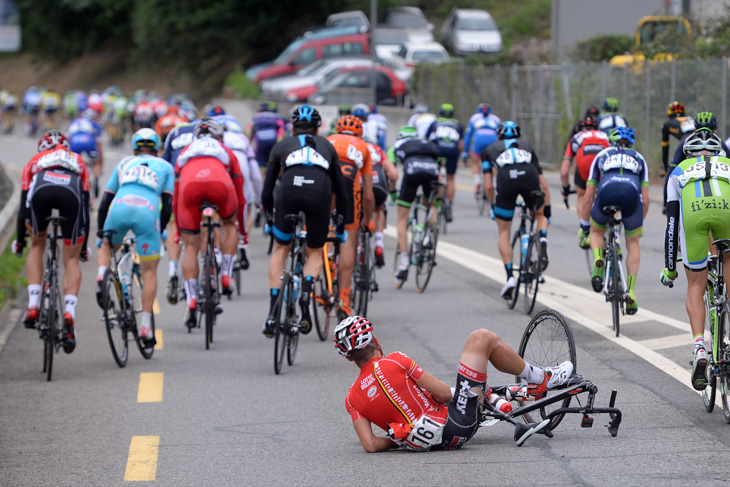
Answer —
181 141
202 174
464 390
593 148
308 157
516 173
372 391
56 178
134 200
367 381
301 181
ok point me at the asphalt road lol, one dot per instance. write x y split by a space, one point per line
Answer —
221 417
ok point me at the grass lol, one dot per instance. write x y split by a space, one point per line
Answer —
12 277
242 86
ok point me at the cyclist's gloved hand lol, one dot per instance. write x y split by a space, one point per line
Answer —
18 246
463 155
340 231
85 254
667 277
342 236
565 191
267 228
99 243
100 234
393 195
491 213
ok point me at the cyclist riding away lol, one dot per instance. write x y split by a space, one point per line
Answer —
266 129
357 170
447 132
679 126
592 112
131 202
698 203
385 175
610 117
481 131
619 176
309 172
207 172
382 126
517 170
421 119
419 158
583 147
433 418
85 138
55 178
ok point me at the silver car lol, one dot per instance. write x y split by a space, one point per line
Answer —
468 31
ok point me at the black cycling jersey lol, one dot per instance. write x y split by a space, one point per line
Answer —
678 127
420 167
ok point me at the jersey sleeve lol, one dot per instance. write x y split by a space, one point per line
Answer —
112 186
410 365
168 185
643 170
570 149
354 413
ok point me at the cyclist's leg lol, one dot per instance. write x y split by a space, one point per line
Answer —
348 253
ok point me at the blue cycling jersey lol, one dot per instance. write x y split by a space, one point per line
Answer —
179 138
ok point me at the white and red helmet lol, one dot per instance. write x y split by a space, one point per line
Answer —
354 333
51 139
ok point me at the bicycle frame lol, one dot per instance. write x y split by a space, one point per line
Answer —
614 230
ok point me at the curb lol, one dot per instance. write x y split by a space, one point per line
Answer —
8 214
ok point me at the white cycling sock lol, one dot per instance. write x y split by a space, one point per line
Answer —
700 341
172 268
404 262
70 301
378 239
101 271
146 319
34 295
477 179
227 265
534 375
191 290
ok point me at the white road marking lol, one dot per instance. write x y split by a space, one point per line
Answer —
666 342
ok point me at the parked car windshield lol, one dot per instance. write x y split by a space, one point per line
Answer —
407 21
312 68
281 58
391 37
476 23
428 56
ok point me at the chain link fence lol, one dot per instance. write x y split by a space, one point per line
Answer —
547 100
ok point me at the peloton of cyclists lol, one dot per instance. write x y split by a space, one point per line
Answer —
609 117
448 133
85 138
481 131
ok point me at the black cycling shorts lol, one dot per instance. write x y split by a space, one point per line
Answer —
410 184
380 186
306 189
62 190
578 180
514 180
463 419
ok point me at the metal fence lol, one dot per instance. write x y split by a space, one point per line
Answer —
547 100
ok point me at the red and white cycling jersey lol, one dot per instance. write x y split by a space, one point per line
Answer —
206 147
386 394
58 157
584 146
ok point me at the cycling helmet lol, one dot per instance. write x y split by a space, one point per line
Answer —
344 110
361 111
446 110
354 333
173 110
702 143
214 110
588 123
421 108
706 120
91 114
622 133
208 126
675 108
145 139
610 105
592 112
373 109
484 109
407 131
349 124
305 114
51 139
509 130
231 125
264 107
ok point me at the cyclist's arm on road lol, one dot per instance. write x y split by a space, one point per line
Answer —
467 138
20 223
490 171
567 161
368 440
678 154
440 391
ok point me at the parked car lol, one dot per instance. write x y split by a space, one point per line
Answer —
388 41
467 31
407 18
353 85
288 87
317 45
345 19
411 54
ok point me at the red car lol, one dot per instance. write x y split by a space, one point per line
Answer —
353 83
307 50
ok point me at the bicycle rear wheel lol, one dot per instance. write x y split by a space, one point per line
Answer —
114 313
52 329
616 291
137 289
362 279
427 257
292 339
320 307
237 274
533 271
710 391
280 314
547 341
723 354
516 258
209 304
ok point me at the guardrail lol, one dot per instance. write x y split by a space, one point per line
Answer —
9 212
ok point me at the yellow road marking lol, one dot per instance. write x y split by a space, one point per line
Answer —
158 338
156 307
465 187
142 459
150 387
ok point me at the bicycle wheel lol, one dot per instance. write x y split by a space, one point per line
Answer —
442 219
280 330
547 341
481 198
710 391
237 274
115 317
616 291
292 333
51 327
516 260
396 260
137 289
362 279
320 307
723 354
533 271
427 257
209 304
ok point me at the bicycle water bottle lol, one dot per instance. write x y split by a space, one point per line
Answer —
499 403
296 287
125 274
524 240
419 233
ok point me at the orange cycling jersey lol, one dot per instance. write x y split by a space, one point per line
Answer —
355 161
164 126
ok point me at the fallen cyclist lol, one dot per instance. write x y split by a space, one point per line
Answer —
419 411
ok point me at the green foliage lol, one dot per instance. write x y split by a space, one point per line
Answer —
11 275
242 86
602 48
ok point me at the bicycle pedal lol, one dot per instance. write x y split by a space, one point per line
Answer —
586 422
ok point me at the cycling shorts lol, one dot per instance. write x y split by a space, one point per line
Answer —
514 180
578 179
480 143
138 213
81 142
309 190
410 184
452 159
701 214
62 190
204 180
623 191
463 412
380 186
263 150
